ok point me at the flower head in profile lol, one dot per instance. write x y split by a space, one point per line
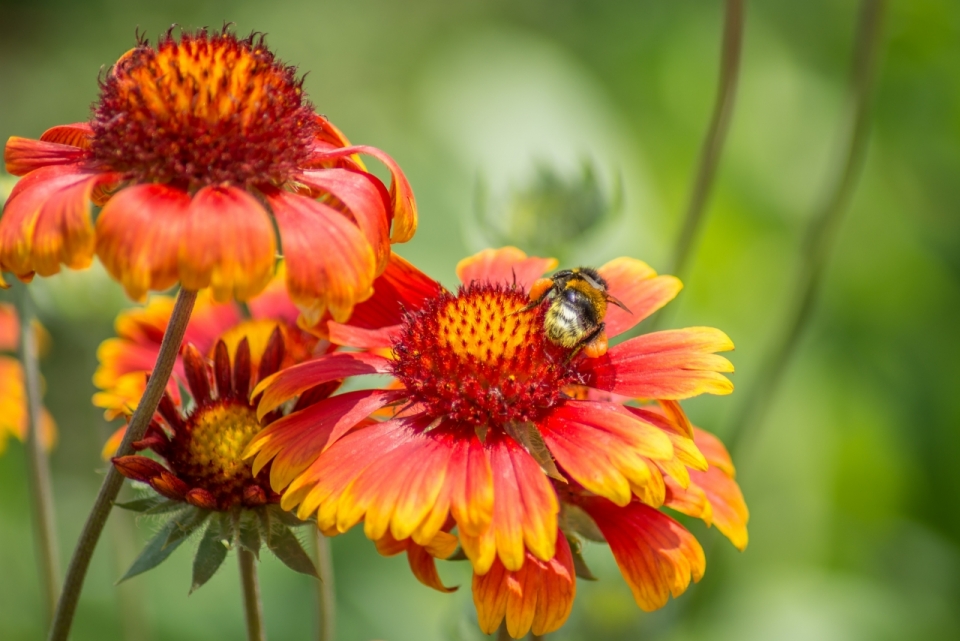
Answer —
200 476
13 396
195 149
520 444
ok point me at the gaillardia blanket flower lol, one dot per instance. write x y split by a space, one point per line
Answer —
203 479
519 444
189 146
13 395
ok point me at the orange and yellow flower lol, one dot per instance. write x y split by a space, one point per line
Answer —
13 396
196 149
496 431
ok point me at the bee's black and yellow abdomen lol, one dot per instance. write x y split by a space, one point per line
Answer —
574 314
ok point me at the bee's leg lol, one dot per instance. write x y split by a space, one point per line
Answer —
538 291
594 344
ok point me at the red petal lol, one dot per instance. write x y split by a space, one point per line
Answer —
362 338
366 199
403 204
47 222
330 264
295 380
138 468
23 155
79 134
230 245
673 365
506 265
637 286
274 302
401 287
139 233
656 555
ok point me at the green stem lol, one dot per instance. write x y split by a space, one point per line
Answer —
502 634
93 528
821 236
713 142
326 598
251 595
38 466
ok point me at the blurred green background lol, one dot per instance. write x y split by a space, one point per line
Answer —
852 480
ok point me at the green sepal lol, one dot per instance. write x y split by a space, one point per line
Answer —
142 505
287 518
286 546
248 533
152 505
210 553
171 535
579 564
576 519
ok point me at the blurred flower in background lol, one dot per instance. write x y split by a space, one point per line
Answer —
550 216
492 413
13 397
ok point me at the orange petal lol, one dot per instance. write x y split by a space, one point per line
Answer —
729 510
525 506
228 244
604 448
714 451
23 155
295 441
293 381
538 597
506 265
365 198
403 205
673 365
656 555
139 233
637 286
422 558
46 221
9 328
330 264
78 134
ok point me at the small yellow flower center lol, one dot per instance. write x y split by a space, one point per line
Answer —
210 451
485 329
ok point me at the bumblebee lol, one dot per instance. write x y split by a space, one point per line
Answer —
578 304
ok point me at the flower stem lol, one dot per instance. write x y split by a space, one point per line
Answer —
821 235
251 595
93 528
502 634
41 494
326 599
713 141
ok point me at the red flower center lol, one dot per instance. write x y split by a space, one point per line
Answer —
208 453
201 111
477 359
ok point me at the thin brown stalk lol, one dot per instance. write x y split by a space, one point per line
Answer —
502 634
38 466
93 528
252 607
326 597
713 141
821 236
